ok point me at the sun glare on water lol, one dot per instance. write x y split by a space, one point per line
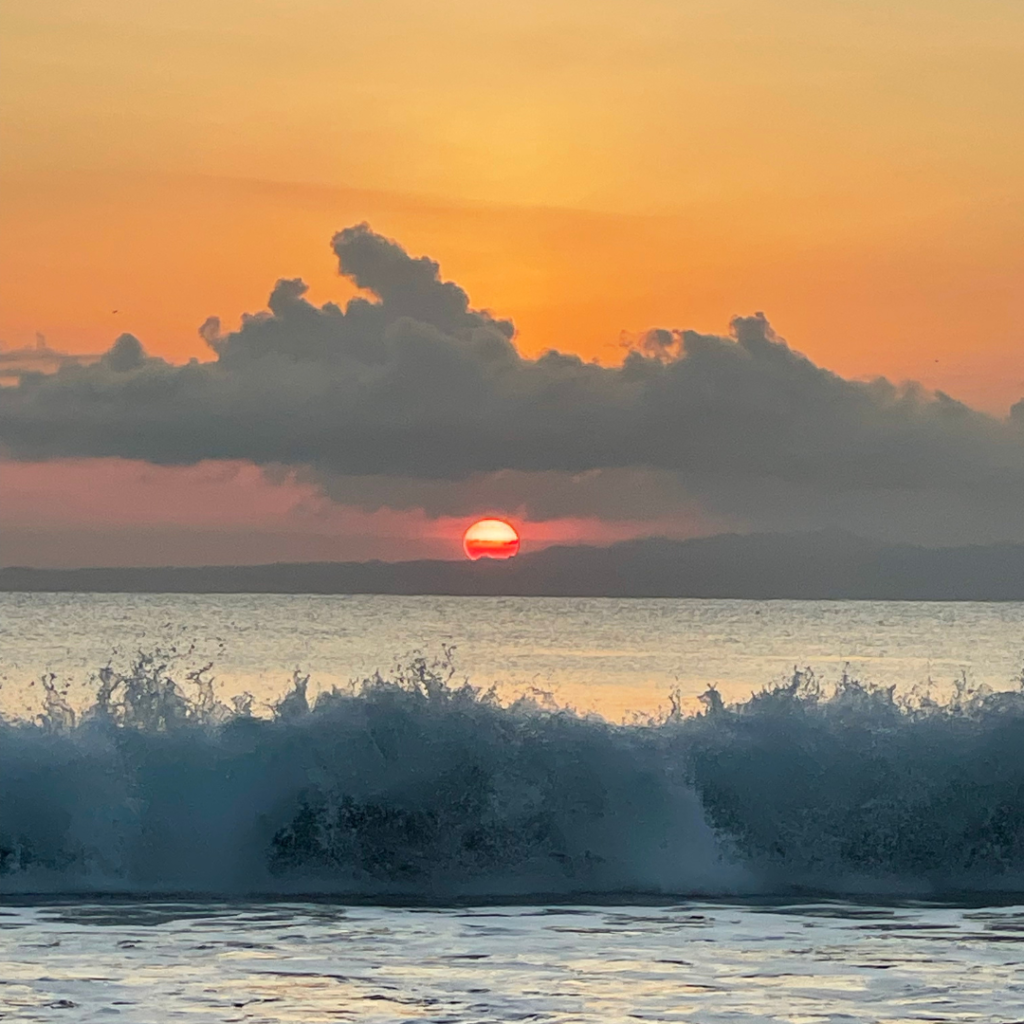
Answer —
490 538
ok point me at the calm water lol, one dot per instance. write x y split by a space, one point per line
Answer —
612 656
832 962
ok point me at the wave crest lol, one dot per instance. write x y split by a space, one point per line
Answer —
859 787
409 784
417 784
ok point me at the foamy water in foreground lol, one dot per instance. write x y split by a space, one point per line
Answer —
148 962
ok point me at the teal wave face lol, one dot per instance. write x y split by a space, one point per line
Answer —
416 785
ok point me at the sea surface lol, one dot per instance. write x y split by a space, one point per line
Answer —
607 655
144 962
266 808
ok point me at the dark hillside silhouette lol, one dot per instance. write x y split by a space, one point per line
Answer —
826 565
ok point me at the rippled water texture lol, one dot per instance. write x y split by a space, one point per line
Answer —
607 655
156 962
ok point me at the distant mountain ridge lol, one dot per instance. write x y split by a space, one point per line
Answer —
813 566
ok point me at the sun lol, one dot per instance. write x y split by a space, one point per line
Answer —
490 538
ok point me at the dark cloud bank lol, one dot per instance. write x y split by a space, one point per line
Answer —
413 398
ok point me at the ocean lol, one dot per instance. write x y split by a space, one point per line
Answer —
266 808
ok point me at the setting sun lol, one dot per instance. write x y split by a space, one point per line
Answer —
490 538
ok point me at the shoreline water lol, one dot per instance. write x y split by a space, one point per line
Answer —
700 961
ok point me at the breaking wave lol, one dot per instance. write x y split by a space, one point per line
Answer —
419 786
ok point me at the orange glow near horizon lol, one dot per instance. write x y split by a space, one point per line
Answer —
491 538
59 514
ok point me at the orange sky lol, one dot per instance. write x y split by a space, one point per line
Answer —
851 168
589 168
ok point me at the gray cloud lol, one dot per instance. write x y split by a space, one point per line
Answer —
40 358
390 401
615 494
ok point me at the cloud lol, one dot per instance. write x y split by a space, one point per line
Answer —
416 398
40 358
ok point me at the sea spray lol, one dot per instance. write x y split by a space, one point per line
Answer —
861 788
416 785
412 784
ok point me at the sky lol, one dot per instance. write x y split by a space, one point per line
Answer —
841 175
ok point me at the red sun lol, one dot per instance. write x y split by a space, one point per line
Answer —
490 538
